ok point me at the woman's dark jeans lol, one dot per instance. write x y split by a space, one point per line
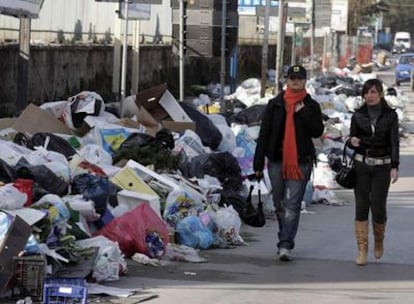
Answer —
371 191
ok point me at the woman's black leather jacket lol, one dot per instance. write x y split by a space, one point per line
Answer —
381 140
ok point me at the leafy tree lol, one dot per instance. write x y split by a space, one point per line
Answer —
362 12
400 16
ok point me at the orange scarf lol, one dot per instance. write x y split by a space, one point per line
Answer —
290 163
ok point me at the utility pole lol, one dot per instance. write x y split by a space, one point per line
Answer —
124 60
312 41
265 49
135 58
117 59
181 49
23 64
279 47
223 53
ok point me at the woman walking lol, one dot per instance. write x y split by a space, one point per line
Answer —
375 140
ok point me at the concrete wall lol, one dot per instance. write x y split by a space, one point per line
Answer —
56 73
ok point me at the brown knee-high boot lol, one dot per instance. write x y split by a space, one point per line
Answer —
379 230
361 235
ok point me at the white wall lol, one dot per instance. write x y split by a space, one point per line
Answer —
58 15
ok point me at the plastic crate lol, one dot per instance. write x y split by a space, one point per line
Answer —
65 291
29 273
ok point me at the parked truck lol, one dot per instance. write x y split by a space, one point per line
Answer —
402 42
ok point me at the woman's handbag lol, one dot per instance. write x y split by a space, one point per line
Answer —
346 176
254 216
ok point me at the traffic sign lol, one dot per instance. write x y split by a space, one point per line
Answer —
21 7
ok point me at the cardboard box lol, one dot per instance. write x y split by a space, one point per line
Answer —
11 244
132 199
132 124
159 103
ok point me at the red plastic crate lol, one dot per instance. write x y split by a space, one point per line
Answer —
65 291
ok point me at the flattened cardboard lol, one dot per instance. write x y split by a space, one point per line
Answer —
35 120
129 123
6 123
178 126
146 118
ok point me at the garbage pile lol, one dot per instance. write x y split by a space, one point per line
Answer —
82 190
85 189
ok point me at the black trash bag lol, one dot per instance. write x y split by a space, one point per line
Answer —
137 139
348 91
42 175
223 166
209 134
250 115
233 198
97 189
391 92
38 191
254 216
56 144
149 150
163 139
7 173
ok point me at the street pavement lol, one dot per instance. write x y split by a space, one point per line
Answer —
323 270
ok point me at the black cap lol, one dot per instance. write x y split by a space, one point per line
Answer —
297 70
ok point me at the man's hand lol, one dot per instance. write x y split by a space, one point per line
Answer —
259 175
394 175
299 106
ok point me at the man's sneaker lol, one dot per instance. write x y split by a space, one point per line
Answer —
285 255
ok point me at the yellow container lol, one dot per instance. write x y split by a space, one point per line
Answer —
128 179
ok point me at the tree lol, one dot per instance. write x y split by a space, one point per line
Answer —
400 16
362 12
77 35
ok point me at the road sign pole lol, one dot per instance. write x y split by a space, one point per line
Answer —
265 50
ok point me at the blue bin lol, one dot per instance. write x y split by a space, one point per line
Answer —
65 291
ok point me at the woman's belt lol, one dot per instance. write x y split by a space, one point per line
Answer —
372 161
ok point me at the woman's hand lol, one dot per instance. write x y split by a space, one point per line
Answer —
394 175
355 141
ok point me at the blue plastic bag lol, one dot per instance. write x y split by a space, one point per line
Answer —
191 232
